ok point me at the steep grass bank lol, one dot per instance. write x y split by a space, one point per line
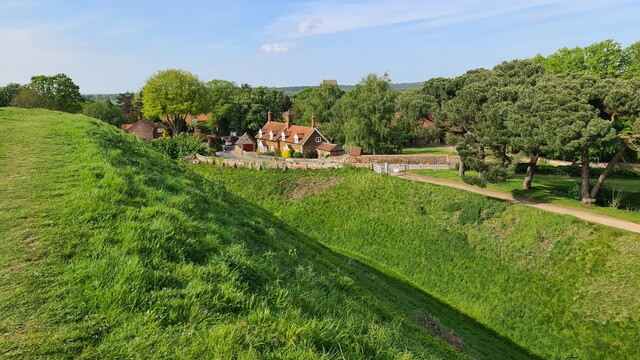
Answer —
561 287
111 250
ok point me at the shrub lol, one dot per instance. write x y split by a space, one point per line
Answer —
296 155
286 154
180 146
496 173
475 180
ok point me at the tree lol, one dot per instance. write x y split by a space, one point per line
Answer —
368 110
578 127
464 111
605 59
8 93
173 94
30 99
221 97
125 100
63 93
105 111
632 59
316 101
411 106
621 106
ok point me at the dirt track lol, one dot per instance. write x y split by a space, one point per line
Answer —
584 215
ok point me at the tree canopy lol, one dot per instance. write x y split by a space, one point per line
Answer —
172 95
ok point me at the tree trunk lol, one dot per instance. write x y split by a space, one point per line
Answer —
584 173
531 169
461 168
607 170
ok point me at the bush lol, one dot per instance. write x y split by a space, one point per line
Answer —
286 154
474 180
496 173
178 147
297 155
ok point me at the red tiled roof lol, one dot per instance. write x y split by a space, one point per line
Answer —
303 132
325 146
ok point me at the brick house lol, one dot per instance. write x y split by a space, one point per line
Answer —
280 136
246 143
328 149
144 129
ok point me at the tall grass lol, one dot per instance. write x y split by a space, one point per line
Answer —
558 286
112 250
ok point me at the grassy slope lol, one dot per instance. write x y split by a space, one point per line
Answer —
556 285
554 189
109 249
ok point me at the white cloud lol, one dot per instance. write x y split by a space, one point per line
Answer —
277 47
307 25
330 16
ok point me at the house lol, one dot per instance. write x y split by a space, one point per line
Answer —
276 137
144 129
193 120
330 82
246 143
328 149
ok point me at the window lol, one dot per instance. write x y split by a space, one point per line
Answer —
283 137
270 135
296 138
318 139
260 133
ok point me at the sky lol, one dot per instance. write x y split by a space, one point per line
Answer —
114 46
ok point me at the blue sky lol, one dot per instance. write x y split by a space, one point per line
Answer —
114 46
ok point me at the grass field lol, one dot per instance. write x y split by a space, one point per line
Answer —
429 150
111 250
555 189
558 286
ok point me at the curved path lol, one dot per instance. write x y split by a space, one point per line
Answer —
584 215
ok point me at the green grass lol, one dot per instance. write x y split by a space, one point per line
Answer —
429 150
554 189
555 285
111 250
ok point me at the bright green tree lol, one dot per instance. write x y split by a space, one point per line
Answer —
172 95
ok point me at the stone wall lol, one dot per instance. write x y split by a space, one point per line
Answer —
406 159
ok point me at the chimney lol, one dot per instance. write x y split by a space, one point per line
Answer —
269 116
288 119
313 120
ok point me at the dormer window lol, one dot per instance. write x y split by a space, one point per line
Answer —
270 135
283 137
296 138
260 133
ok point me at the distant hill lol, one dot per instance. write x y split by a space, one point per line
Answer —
288 90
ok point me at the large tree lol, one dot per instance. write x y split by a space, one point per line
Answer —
605 59
464 111
221 97
316 101
368 110
578 127
172 95
57 92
